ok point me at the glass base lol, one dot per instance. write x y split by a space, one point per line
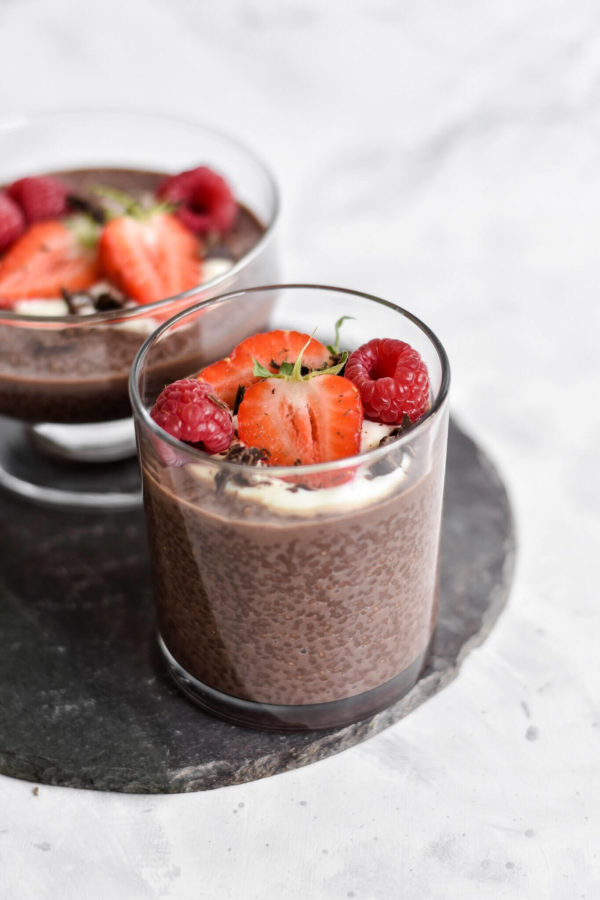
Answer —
33 466
97 442
315 716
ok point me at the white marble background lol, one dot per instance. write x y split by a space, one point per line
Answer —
446 155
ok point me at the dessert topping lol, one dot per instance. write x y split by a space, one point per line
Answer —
148 254
301 419
392 380
40 197
270 349
188 410
12 221
203 198
50 256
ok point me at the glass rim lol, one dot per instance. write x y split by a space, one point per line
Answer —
369 456
13 122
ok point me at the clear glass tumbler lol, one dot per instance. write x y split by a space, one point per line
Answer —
294 597
63 379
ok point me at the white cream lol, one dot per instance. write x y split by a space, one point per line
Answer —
214 267
283 497
41 307
372 434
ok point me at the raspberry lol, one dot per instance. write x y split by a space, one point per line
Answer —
41 197
12 222
392 380
204 199
186 411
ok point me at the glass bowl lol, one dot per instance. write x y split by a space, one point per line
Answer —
63 380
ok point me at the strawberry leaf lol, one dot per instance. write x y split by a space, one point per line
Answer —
261 371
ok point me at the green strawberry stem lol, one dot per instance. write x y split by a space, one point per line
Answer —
288 372
336 347
128 205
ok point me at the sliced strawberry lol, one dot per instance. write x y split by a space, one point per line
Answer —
269 349
48 257
302 422
150 257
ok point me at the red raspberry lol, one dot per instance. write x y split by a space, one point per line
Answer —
186 411
392 380
12 221
40 197
204 199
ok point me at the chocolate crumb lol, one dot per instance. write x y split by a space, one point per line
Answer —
106 301
239 396
78 302
248 456
395 434
82 204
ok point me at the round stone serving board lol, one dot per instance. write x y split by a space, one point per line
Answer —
84 697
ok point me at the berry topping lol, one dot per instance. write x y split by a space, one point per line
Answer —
187 410
299 419
204 200
270 350
49 257
149 255
392 380
12 221
40 197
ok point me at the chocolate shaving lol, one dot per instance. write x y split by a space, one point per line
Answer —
248 456
84 205
105 301
400 429
238 453
78 302
239 396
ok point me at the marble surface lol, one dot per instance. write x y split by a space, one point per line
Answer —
443 155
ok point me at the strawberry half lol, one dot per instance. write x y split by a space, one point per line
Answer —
302 419
150 255
49 257
270 350
302 422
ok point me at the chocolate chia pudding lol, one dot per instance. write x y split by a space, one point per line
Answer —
293 495
77 371
276 608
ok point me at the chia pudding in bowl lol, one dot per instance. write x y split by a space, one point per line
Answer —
293 498
109 224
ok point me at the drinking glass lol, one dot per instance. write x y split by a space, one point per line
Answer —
294 597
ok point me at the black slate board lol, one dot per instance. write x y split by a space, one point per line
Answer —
85 700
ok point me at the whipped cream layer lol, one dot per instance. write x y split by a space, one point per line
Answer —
287 498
